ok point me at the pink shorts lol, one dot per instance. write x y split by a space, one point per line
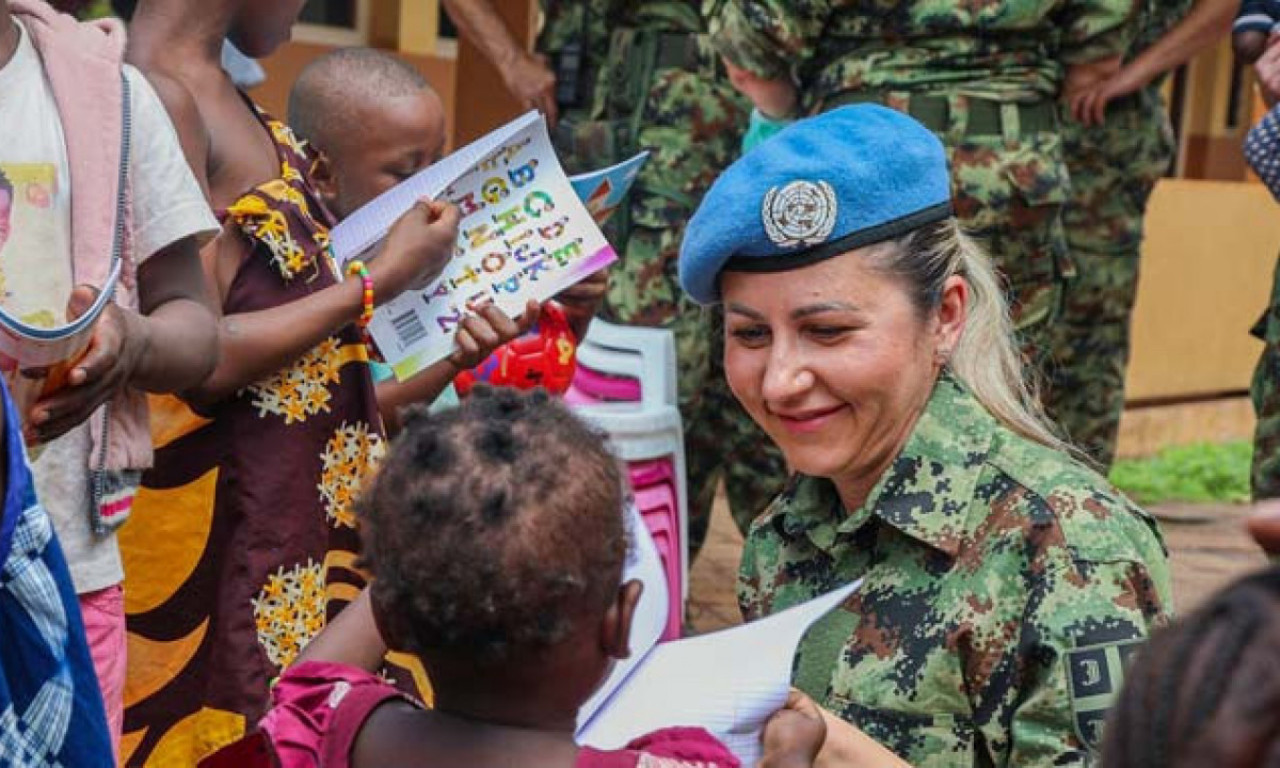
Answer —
103 613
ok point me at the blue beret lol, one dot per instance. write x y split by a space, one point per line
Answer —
849 178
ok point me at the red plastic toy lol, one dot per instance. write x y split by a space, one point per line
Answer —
543 357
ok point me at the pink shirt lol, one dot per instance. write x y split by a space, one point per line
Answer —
319 708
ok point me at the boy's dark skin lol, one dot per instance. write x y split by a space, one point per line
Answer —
399 137
178 44
168 346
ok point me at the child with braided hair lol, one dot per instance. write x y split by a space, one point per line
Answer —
496 540
1206 690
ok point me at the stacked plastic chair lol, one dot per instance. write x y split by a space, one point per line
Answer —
625 383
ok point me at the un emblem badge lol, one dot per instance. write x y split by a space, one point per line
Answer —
1095 676
800 213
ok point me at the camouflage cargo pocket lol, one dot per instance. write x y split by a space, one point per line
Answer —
1010 196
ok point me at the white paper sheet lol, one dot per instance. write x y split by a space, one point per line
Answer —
729 682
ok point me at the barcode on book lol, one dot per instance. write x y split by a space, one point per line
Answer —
409 329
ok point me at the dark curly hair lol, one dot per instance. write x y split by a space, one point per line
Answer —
1206 690
492 529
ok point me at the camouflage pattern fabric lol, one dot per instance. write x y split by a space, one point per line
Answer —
1010 182
1265 391
690 120
1114 167
1006 50
1004 586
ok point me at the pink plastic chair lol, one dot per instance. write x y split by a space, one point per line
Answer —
603 388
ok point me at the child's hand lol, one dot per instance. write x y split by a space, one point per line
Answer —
794 735
582 300
417 249
480 334
118 343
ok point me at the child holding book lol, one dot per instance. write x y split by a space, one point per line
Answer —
250 535
402 132
94 173
496 540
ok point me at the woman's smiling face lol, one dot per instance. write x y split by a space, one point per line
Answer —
834 361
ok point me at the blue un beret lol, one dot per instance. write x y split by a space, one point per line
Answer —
849 178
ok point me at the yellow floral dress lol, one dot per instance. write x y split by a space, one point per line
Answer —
243 537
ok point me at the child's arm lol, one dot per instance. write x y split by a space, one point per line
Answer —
352 638
1206 23
582 300
479 335
170 346
255 344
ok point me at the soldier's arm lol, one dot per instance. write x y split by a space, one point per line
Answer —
527 76
1095 29
770 40
1084 619
1208 22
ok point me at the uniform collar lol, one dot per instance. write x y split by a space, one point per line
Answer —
925 493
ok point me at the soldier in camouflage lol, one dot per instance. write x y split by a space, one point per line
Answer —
1004 584
983 76
632 76
1118 144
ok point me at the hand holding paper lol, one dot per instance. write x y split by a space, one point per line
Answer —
729 682
77 387
416 251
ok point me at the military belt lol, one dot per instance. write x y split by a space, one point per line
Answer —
983 117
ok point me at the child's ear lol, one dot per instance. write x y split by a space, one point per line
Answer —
325 181
615 632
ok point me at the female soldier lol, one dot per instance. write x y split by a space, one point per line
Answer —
1004 582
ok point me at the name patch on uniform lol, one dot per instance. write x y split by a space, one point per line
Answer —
1094 677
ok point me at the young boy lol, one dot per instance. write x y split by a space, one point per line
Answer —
72 117
1256 22
402 131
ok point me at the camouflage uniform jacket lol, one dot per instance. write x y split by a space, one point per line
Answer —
1007 50
1004 585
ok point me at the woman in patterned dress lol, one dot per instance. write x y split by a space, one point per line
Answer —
244 537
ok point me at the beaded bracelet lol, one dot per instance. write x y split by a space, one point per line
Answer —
357 267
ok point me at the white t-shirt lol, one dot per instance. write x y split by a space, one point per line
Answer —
36 230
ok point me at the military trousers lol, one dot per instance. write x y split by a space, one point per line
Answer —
1114 168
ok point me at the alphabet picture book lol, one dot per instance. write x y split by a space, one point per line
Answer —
525 234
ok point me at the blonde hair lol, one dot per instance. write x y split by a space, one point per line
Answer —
986 358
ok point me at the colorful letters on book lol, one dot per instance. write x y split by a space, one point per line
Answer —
524 235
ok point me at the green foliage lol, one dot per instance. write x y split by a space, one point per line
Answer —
1198 473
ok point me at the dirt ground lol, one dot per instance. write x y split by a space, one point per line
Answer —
1208 545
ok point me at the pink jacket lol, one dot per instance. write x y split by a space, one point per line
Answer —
83 64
